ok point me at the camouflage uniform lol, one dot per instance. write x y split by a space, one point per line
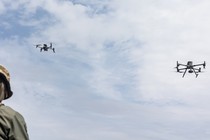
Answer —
12 123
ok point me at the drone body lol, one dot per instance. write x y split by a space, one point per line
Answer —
44 47
190 67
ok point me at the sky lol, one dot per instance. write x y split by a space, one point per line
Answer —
112 76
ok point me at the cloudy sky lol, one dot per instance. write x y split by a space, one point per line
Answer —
112 76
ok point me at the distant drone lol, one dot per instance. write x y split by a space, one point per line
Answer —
45 47
190 67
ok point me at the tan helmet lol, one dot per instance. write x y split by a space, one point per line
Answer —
4 73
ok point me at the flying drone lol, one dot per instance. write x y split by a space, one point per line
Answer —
45 47
190 67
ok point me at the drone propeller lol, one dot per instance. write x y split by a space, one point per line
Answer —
204 64
53 50
176 69
177 64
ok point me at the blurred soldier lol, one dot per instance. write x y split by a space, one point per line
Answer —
12 124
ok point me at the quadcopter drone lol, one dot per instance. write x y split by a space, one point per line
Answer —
45 47
190 67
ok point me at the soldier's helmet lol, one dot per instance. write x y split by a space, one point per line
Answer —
4 74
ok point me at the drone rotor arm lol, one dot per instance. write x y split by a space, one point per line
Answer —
197 65
204 65
196 69
182 65
180 70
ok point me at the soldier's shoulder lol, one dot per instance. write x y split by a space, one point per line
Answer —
7 111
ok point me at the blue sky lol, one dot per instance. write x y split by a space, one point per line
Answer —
112 76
